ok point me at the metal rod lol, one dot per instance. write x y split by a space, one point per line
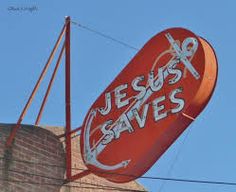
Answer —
73 131
80 175
67 100
68 133
50 86
16 127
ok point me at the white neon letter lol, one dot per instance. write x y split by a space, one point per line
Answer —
178 101
157 115
120 96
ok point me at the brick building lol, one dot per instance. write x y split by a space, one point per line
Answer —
36 163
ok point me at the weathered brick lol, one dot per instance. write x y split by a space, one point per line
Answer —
31 144
42 146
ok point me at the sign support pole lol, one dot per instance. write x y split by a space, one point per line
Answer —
68 109
49 86
67 99
65 31
27 105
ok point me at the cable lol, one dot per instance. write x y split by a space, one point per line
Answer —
176 157
75 182
30 174
153 178
66 185
53 178
104 35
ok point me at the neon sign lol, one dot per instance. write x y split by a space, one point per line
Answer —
149 104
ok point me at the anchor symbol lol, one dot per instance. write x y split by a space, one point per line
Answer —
91 156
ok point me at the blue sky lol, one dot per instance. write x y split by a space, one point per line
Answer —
26 38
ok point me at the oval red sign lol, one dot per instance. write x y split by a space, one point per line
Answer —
148 105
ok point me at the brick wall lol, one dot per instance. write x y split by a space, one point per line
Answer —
36 145
29 160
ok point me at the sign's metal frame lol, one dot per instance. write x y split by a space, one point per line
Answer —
65 32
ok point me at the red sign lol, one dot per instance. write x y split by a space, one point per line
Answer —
148 105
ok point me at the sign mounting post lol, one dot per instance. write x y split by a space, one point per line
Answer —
67 98
68 108
65 32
